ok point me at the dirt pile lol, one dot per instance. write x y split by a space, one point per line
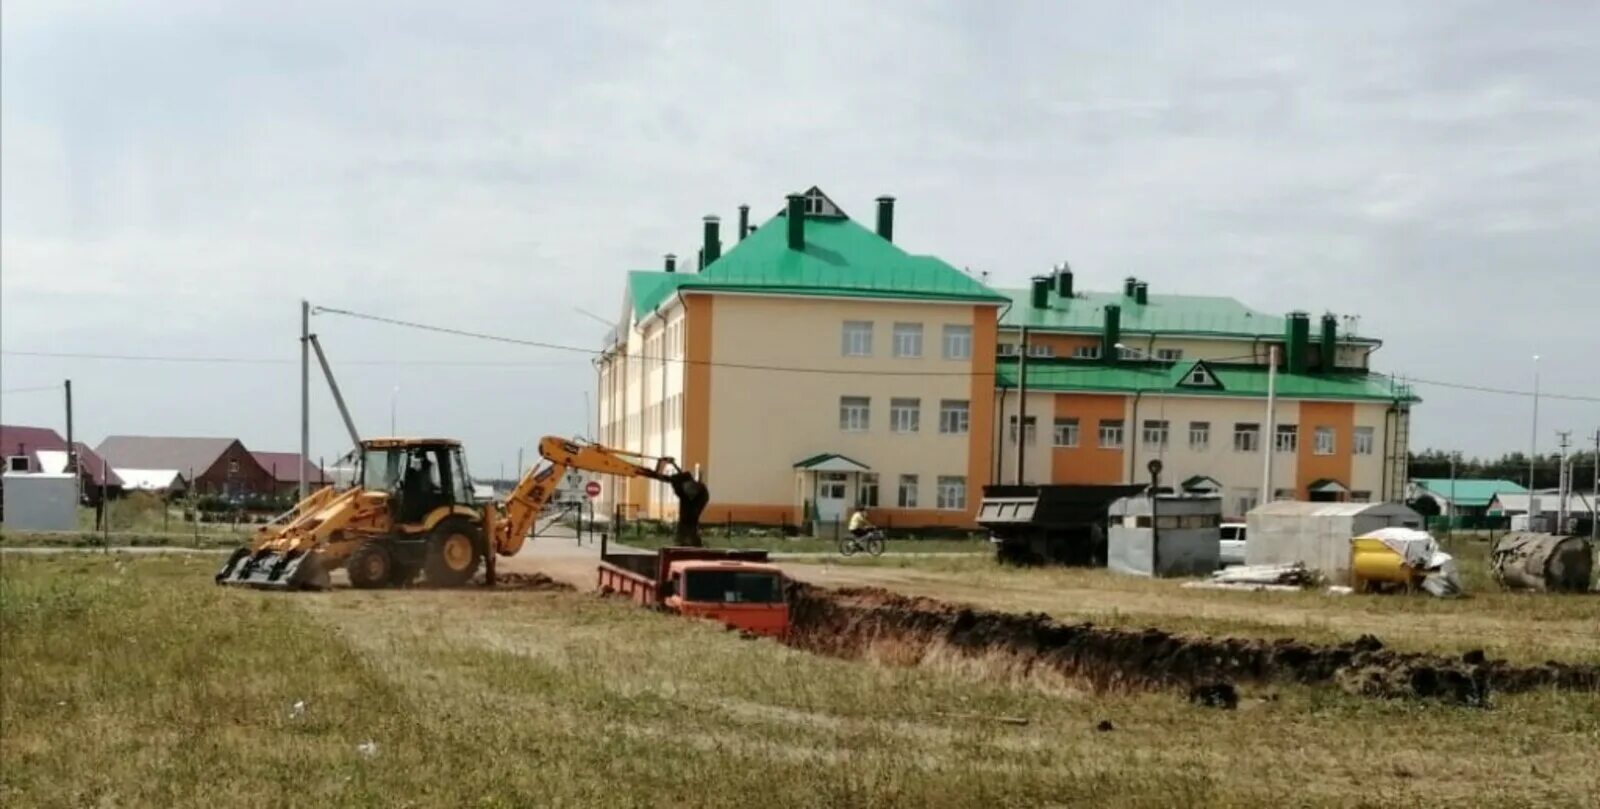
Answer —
855 622
528 581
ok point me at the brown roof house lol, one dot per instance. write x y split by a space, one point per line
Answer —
32 450
212 466
285 469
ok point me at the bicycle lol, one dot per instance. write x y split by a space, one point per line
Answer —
872 543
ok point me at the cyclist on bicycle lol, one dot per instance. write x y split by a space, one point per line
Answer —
860 526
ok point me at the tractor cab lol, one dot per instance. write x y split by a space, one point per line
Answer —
420 475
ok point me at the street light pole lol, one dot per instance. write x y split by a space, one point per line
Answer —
1533 450
1266 443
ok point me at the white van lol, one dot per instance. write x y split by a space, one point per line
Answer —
1231 551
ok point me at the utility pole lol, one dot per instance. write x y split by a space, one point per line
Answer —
1022 403
72 453
305 394
1450 519
1533 450
1267 446
1594 493
1563 440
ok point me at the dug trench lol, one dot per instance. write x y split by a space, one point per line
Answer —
870 623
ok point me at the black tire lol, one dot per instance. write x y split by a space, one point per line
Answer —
874 544
370 567
848 546
455 552
403 574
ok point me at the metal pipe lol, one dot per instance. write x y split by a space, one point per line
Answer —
1268 439
1022 405
72 453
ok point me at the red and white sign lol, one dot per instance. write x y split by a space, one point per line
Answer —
592 488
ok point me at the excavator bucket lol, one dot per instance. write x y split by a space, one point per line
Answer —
272 570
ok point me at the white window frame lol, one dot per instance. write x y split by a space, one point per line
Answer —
1089 352
906 492
855 414
11 463
1327 441
1199 436
1006 349
1155 433
1247 433
957 342
1169 354
1041 351
952 493
827 483
1030 430
1361 441
905 415
857 339
1286 438
955 416
1110 433
1360 496
907 340
1130 353
868 484
1066 433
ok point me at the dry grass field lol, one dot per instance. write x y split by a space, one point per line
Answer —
133 681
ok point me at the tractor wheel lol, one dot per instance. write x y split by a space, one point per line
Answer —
455 550
403 575
370 566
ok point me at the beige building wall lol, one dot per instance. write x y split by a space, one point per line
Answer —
1036 458
764 421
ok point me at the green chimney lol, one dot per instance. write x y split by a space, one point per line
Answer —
1041 292
1112 334
713 243
1141 293
1297 336
797 222
1330 343
886 218
744 221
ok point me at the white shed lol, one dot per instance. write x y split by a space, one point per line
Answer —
1318 534
40 501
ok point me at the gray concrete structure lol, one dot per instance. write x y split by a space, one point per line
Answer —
1182 539
40 501
1318 534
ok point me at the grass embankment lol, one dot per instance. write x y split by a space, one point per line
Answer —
136 682
1526 627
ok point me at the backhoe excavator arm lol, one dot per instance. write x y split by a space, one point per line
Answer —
534 491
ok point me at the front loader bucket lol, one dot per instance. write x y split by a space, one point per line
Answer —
267 569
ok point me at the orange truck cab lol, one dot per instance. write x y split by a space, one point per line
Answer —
738 588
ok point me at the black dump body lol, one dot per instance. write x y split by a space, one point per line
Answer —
1057 524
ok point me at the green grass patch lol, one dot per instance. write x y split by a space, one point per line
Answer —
781 544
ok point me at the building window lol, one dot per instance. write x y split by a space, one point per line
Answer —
1155 433
1028 429
1246 503
905 415
855 413
832 485
1361 442
1246 437
17 463
908 491
952 492
1111 433
1041 351
1325 441
858 338
1006 349
233 466
954 417
867 495
1169 354
1129 353
908 340
1287 438
1066 432
957 342
1089 352
1360 497
1199 435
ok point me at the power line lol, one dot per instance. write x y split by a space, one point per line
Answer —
35 389
267 360
1503 391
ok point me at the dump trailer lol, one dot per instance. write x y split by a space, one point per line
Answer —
1054 524
738 588
411 511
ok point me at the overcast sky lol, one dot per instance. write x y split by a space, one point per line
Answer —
177 177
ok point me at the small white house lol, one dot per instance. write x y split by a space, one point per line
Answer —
1318 534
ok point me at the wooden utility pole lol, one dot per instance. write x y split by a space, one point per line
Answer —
72 453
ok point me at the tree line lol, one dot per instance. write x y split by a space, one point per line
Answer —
1435 463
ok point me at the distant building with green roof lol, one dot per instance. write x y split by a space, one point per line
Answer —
810 335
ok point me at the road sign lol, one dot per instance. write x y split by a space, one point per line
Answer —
592 488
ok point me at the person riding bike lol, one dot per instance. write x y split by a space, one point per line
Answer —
860 526
864 536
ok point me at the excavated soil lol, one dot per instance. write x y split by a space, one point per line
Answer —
526 581
854 622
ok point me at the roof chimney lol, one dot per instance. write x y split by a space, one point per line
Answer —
744 221
713 244
672 263
1041 292
1111 335
1128 285
886 217
1141 293
1330 342
797 222
1298 336
1064 281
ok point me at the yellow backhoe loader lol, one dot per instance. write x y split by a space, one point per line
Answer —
410 510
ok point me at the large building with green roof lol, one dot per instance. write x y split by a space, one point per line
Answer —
811 364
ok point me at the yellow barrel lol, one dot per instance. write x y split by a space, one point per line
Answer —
1373 561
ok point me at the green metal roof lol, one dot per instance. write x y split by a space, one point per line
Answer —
1468 492
1164 314
1236 380
840 259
